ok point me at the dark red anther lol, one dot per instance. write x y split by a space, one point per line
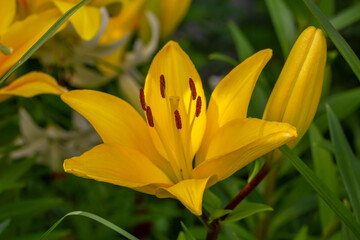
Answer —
162 86
192 88
198 106
149 116
142 99
177 119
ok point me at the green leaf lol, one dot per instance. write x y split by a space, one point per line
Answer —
188 234
55 235
327 6
224 58
181 236
9 186
246 209
243 47
343 104
325 170
95 218
28 206
336 38
324 192
284 24
348 165
43 39
346 17
16 170
302 234
218 213
4 224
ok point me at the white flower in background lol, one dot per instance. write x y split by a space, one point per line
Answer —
53 143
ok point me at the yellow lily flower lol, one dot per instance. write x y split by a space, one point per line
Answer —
297 92
172 13
21 35
156 156
31 84
7 13
86 20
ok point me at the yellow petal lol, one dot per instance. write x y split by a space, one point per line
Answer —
115 121
176 67
231 97
23 34
32 84
296 94
189 192
118 165
172 12
7 13
240 142
86 20
128 18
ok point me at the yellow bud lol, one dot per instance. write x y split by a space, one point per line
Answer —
297 91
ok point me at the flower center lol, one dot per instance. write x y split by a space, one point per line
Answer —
176 137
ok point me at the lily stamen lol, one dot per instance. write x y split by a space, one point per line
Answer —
142 99
178 119
162 86
192 88
149 116
198 106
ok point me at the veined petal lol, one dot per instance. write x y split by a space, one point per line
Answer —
230 99
118 165
296 94
240 142
31 84
115 121
189 192
86 20
7 13
175 67
172 12
23 34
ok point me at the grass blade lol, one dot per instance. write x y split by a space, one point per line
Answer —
93 217
324 192
346 17
284 24
43 39
243 47
325 170
344 48
348 165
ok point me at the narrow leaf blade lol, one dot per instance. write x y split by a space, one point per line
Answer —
340 43
324 192
348 165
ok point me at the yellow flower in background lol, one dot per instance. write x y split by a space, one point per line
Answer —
157 156
86 20
19 36
31 84
171 14
296 95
